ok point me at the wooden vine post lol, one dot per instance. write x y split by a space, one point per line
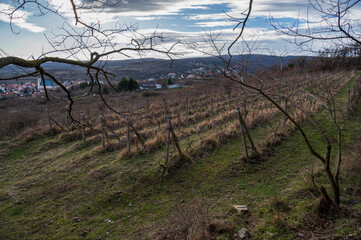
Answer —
243 135
102 131
82 126
310 105
212 113
167 141
128 134
175 139
285 118
67 122
49 120
348 98
245 107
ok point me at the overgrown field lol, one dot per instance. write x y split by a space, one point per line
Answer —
54 185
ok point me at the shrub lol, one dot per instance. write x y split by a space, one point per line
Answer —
12 124
127 85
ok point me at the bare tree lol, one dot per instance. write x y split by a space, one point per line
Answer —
86 45
331 22
292 92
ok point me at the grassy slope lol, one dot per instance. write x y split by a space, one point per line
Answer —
52 190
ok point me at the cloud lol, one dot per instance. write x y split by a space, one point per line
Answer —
148 18
19 18
147 10
212 16
93 10
264 38
215 24
204 14
284 8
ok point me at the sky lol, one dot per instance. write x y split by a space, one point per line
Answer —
188 21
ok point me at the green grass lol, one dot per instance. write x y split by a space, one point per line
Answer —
49 191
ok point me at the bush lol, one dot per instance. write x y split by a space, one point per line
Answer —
13 124
83 85
128 85
105 90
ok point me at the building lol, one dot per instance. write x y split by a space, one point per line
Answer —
50 85
175 86
149 86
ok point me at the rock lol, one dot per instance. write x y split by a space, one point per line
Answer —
244 234
286 190
241 208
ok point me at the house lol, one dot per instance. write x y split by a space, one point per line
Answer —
198 70
171 75
50 85
147 86
175 86
10 94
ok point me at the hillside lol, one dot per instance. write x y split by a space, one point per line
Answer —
55 186
146 68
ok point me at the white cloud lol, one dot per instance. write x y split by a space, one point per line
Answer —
265 38
148 18
214 16
155 9
215 24
19 18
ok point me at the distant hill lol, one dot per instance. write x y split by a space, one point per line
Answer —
150 67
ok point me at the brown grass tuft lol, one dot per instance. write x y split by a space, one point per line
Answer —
100 174
153 144
189 222
352 164
13 124
209 144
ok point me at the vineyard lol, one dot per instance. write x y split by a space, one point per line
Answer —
200 120
168 162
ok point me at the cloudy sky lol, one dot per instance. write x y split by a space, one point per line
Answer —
185 20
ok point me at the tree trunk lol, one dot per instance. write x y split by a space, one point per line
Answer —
334 184
243 136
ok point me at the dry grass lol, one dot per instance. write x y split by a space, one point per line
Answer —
352 164
190 223
12 124
153 144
